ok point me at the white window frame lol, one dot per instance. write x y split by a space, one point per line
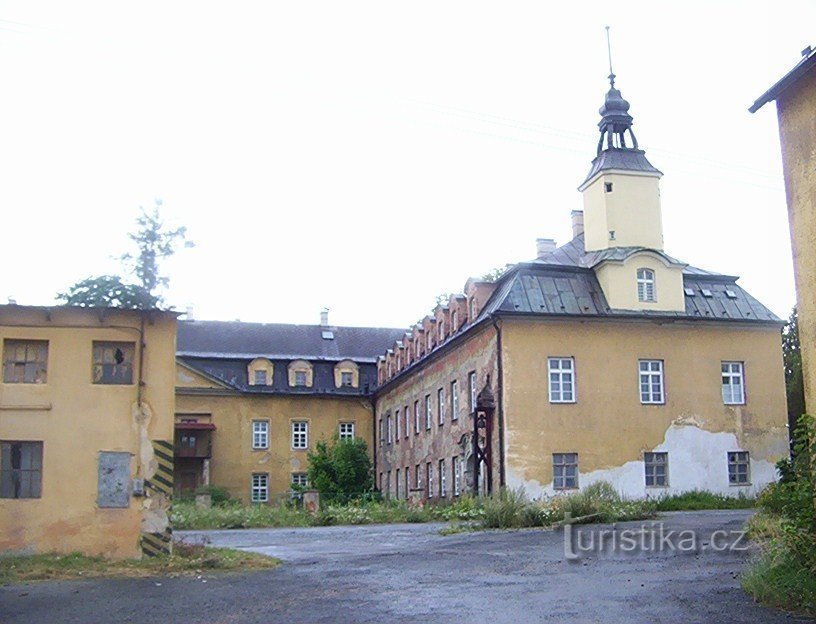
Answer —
346 431
298 477
454 390
443 480
300 435
428 412
647 376
561 373
456 466
646 285
260 434
731 372
440 405
429 470
259 487
472 390
561 463
652 462
737 459
418 476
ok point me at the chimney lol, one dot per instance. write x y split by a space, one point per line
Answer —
577 223
188 313
324 317
544 247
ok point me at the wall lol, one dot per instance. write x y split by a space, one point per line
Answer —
610 429
619 283
233 459
797 131
76 419
632 210
476 352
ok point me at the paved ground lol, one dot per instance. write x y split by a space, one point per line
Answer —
410 573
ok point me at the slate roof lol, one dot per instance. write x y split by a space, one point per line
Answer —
805 64
227 339
620 158
563 283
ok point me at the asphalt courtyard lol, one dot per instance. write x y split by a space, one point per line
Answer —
683 569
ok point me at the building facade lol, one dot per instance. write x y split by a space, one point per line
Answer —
253 399
609 360
795 96
86 429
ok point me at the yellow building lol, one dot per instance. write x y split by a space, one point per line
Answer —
86 426
609 360
795 96
252 400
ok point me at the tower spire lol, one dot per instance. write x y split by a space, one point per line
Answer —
609 51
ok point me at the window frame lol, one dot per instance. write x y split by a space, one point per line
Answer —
454 392
396 426
472 385
14 480
296 435
259 488
443 480
417 419
440 405
296 476
731 375
389 432
735 459
40 367
560 481
561 372
346 375
661 375
341 435
428 412
651 464
407 413
456 468
119 345
643 284
260 435
429 470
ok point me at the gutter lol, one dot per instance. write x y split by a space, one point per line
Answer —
500 371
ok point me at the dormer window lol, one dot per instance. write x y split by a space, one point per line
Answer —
430 341
346 379
300 374
473 309
441 330
646 285
260 377
453 321
260 372
300 379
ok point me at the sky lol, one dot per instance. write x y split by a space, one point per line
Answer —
368 156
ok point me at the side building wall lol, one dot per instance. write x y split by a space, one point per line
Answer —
475 353
609 428
95 438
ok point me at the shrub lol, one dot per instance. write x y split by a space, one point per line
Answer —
218 495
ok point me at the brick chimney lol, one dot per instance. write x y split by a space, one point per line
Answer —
577 223
544 247
324 317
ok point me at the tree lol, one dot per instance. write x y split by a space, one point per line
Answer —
154 243
792 358
494 274
341 470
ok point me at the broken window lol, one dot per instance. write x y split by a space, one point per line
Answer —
21 469
346 379
739 468
565 471
113 362
657 469
25 361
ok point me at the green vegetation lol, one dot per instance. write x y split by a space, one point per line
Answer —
186 559
784 575
341 471
697 500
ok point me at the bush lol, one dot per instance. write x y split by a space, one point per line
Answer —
696 500
219 495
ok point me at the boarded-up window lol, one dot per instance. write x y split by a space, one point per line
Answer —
21 469
25 361
113 488
113 362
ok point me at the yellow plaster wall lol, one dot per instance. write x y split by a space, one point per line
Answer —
797 131
619 284
75 419
233 459
632 210
608 426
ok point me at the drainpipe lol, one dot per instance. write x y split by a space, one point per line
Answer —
497 326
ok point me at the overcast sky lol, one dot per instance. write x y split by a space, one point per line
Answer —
367 156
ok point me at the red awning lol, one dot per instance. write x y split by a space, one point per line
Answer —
183 425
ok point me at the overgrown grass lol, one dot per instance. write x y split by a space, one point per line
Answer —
186 559
697 500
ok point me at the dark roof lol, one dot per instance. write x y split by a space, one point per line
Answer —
807 62
620 159
228 339
563 283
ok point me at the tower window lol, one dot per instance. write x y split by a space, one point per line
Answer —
608 187
646 285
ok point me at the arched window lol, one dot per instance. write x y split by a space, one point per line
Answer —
441 330
346 374
300 374
430 341
473 309
260 372
453 322
646 285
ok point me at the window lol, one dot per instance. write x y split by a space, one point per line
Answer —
300 479
607 187
440 405
457 476
565 471
562 380
739 468
300 434
389 431
382 433
25 361
430 341
260 487
428 415
441 331
407 481
651 381
657 469
646 285
417 477
407 422
397 483
472 391
21 469
388 484
346 379
260 434
443 481
733 387
416 417
300 379
397 426
347 431
113 362
473 309
454 326
429 479
454 390
260 377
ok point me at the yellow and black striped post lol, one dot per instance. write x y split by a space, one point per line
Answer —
161 484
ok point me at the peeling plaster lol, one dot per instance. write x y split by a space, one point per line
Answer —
155 505
698 459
